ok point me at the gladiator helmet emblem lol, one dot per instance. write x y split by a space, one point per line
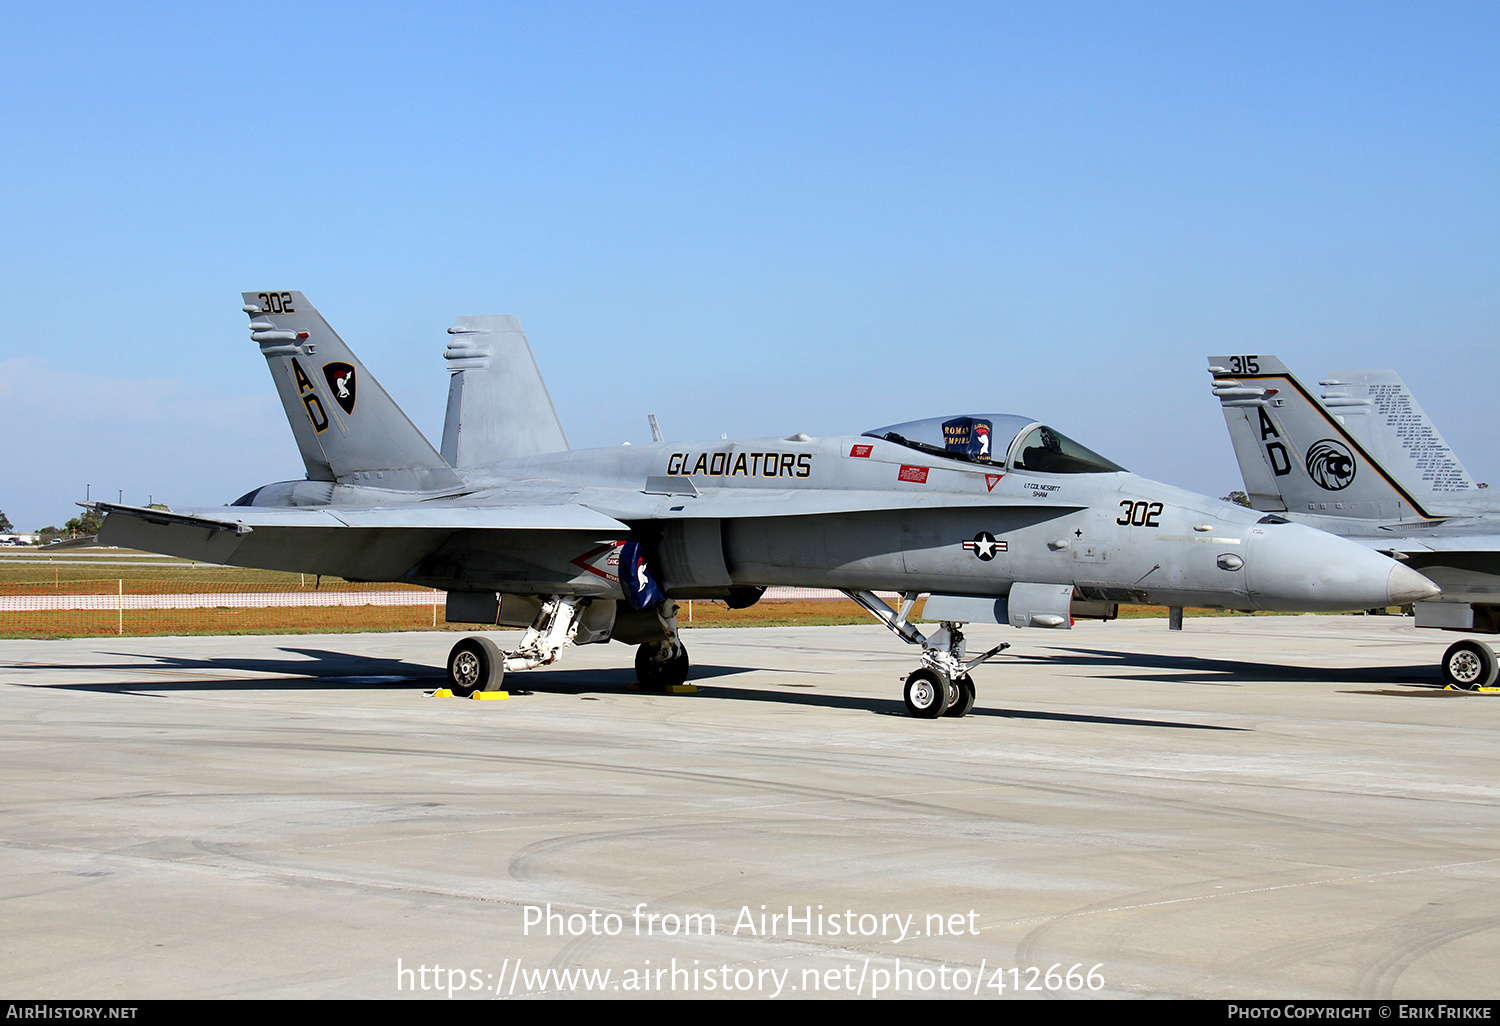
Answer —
340 378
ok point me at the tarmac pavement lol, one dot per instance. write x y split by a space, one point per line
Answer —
1257 807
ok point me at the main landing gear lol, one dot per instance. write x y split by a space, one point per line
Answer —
477 664
1470 665
661 666
941 686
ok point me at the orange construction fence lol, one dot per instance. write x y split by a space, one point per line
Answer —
124 606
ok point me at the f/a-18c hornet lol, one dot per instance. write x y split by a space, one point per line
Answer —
998 518
1365 462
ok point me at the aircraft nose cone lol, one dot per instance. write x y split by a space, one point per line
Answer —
1303 570
1405 585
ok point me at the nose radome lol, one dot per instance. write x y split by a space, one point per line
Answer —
1406 585
1300 569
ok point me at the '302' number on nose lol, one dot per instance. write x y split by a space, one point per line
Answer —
1139 513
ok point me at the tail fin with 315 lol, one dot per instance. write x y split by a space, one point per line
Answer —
1364 450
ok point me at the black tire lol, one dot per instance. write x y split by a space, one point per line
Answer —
652 671
475 664
927 693
1470 665
961 697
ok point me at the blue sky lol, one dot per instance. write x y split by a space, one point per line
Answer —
749 218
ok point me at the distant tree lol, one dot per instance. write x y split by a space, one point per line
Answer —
88 523
1238 498
5 524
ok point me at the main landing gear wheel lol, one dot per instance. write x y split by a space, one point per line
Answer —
1470 665
654 671
475 664
960 696
927 694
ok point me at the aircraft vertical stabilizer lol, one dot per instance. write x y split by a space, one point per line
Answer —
1294 454
498 405
1376 407
347 427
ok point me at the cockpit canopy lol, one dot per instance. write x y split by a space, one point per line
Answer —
1004 439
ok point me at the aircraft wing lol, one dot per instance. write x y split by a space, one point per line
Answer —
369 543
244 519
527 539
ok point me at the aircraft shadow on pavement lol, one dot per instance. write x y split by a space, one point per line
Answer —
315 670
896 707
322 670
308 669
1224 672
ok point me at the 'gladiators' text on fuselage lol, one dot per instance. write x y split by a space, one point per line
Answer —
740 464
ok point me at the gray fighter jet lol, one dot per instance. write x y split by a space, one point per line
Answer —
998 518
1364 461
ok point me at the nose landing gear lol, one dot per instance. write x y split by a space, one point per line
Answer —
942 685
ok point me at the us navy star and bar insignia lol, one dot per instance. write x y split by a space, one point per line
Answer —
984 546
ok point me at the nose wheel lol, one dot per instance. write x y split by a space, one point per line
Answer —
927 693
961 696
930 693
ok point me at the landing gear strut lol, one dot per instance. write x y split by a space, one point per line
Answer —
478 664
663 664
942 685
